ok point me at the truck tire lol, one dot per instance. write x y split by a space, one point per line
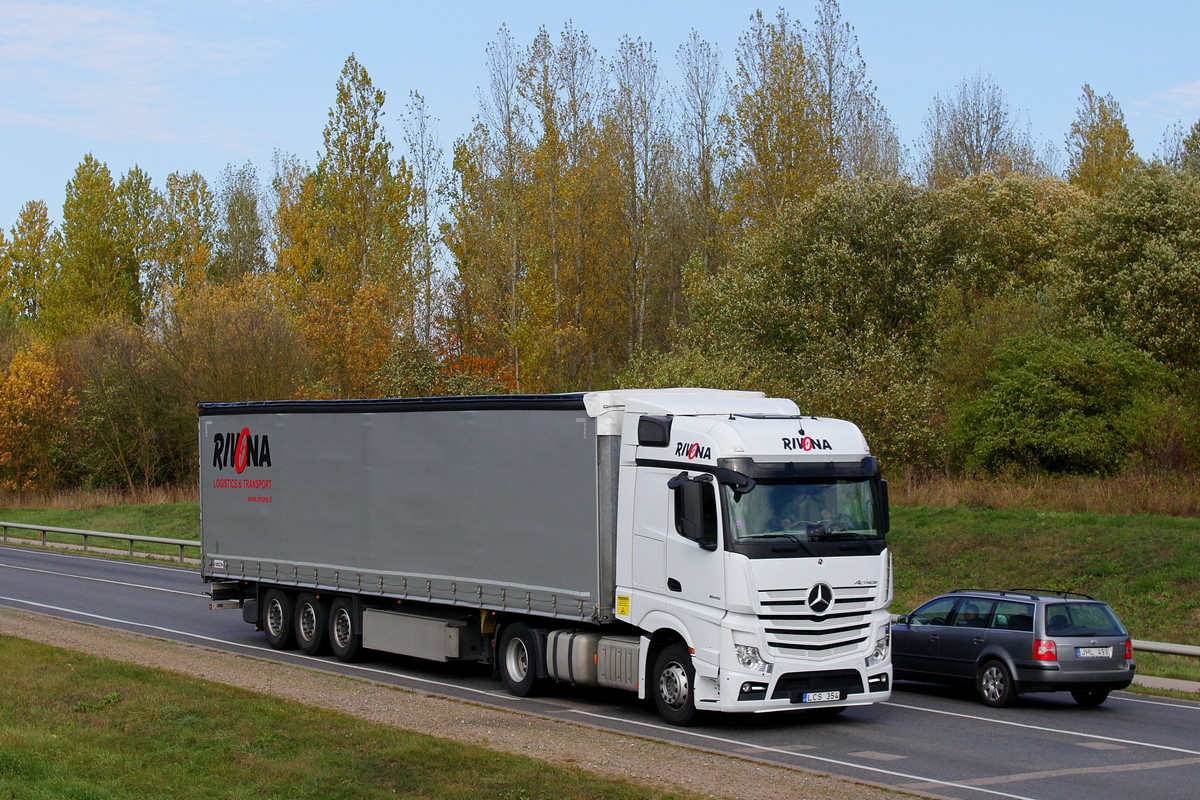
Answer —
343 641
518 660
312 623
673 683
277 615
995 684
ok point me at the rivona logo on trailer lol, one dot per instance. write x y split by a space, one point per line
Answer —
240 450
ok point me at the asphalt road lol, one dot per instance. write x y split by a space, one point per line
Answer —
929 740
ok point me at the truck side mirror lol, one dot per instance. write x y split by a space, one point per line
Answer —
695 509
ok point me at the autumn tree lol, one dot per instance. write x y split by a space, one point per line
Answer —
855 131
344 240
240 236
95 281
1189 157
1099 149
36 421
775 121
485 236
138 231
428 179
643 157
31 258
138 422
701 99
971 131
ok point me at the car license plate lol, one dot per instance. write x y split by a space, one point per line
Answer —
1093 652
821 697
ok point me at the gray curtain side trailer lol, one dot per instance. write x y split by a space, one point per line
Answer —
412 526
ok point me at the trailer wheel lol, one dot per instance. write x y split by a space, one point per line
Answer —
277 619
345 643
518 665
311 623
674 684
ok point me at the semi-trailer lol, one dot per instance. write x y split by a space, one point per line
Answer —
713 550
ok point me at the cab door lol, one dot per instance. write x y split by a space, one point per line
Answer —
695 567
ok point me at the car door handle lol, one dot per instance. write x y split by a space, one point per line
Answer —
674 585
978 640
933 637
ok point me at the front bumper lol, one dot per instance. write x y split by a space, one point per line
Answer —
796 688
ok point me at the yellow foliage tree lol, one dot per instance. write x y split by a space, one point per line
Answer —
36 413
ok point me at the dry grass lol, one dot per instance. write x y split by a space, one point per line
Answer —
76 499
1176 494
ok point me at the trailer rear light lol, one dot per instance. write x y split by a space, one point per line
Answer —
1045 650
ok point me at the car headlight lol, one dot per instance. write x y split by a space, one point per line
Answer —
882 648
750 658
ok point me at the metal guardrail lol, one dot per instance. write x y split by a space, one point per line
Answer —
86 535
1166 647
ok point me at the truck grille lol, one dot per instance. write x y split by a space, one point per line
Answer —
793 628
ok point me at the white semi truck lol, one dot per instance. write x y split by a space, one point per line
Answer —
714 550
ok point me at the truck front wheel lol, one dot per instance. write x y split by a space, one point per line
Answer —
277 619
518 664
674 684
343 641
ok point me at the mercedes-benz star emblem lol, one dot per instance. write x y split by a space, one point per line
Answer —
820 598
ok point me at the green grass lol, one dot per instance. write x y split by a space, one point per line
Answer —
168 520
1146 567
88 728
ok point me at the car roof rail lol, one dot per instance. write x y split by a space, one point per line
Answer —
1054 593
994 592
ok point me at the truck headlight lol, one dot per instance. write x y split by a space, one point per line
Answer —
882 648
750 658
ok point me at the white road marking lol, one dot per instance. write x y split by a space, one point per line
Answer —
783 751
101 580
1044 729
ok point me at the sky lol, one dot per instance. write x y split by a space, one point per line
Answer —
181 87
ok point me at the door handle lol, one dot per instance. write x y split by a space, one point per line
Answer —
673 585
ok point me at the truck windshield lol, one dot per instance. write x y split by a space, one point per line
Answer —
804 512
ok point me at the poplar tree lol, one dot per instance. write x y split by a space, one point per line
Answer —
95 282
775 121
31 260
1099 149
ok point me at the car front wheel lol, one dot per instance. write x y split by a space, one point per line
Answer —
995 684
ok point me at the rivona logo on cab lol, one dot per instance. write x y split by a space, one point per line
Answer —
807 443
691 451
240 450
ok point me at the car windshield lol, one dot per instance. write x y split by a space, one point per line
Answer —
807 511
1081 619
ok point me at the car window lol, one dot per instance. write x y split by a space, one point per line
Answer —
973 613
1010 616
935 612
1081 619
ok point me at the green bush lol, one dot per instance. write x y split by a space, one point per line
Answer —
1059 405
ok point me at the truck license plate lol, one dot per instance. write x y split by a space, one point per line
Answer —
1093 652
821 697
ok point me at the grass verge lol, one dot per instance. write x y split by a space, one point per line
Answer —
89 728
